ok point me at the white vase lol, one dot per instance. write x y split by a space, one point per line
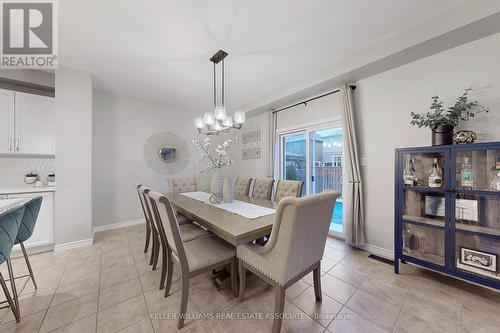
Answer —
216 183
228 190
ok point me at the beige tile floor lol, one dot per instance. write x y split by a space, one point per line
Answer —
109 287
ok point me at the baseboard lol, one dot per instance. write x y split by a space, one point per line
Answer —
99 228
72 245
32 248
379 251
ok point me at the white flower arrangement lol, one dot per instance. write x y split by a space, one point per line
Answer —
215 161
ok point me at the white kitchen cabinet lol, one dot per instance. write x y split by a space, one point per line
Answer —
43 233
26 123
6 121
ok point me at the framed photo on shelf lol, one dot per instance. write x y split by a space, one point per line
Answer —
482 260
465 209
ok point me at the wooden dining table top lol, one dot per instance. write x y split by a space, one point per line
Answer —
233 228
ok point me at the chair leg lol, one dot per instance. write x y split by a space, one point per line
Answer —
25 254
234 287
157 253
317 282
279 295
170 272
184 299
9 299
163 266
148 236
243 280
14 289
153 246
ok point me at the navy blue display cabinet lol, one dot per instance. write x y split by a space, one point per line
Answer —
452 227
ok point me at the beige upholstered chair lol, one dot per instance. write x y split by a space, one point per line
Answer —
242 186
189 232
263 188
180 185
195 257
294 249
288 188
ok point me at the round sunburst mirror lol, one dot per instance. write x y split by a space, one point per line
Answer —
166 153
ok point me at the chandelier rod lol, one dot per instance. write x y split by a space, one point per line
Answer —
215 89
223 87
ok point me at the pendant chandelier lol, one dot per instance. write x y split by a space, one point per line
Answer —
213 123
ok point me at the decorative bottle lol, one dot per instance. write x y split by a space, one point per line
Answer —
466 174
436 177
409 176
495 176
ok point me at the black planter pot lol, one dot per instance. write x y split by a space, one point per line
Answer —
442 135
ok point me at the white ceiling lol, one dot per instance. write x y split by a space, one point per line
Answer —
159 49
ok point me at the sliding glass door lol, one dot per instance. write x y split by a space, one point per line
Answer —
314 156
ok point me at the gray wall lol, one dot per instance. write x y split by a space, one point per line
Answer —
121 126
73 107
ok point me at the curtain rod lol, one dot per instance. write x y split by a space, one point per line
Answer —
310 99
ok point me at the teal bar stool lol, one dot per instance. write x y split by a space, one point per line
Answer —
9 225
31 210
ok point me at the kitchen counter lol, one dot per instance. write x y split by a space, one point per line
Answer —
16 190
7 204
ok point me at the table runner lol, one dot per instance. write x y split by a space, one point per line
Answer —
242 208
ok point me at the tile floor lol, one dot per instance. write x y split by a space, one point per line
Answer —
109 287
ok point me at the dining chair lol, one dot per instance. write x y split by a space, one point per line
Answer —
288 188
189 232
242 186
195 257
263 188
295 248
182 185
9 225
149 228
28 222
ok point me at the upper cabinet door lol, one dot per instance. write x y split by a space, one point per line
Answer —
6 121
34 124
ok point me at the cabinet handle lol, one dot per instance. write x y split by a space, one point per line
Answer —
10 144
17 144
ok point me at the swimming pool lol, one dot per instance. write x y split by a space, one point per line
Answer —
336 225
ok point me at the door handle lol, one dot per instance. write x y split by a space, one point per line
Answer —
17 144
10 144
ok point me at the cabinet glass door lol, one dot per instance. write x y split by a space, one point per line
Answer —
423 181
478 170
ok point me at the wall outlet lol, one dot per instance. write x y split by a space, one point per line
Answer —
363 161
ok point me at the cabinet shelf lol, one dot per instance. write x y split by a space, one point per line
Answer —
478 192
424 189
477 229
424 221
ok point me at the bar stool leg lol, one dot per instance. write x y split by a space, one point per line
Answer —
14 290
9 298
25 254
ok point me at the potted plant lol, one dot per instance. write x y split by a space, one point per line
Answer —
30 178
442 121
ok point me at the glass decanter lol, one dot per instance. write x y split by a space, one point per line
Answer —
466 174
409 175
436 177
495 176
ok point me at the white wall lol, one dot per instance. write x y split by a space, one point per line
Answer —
383 104
121 126
73 107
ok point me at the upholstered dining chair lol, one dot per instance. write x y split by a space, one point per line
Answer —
189 232
262 188
195 257
9 226
295 248
182 185
242 186
150 232
28 222
288 188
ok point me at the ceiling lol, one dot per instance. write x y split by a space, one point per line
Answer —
159 49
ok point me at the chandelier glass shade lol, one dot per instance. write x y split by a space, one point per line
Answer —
217 121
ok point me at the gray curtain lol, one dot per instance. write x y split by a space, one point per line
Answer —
273 156
354 223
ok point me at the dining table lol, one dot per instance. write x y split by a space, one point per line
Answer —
9 204
234 228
